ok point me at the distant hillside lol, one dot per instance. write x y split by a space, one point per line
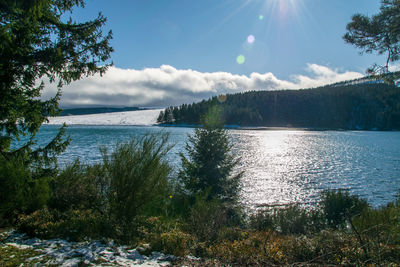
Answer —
137 117
373 79
359 106
88 111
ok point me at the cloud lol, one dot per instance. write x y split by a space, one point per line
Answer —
166 85
394 67
323 75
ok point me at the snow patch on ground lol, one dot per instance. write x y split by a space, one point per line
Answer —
94 253
138 117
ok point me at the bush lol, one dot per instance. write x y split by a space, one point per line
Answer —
79 187
261 220
378 233
165 235
107 199
339 206
19 191
131 181
206 219
75 225
174 242
297 220
325 248
256 249
292 219
137 175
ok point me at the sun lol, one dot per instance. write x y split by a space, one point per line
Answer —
284 10
287 8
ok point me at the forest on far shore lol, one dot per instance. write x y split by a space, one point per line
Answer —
362 106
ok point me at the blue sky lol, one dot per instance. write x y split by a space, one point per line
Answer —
172 51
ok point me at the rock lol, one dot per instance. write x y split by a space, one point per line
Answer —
133 254
33 241
192 258
71 262
107 255
86 253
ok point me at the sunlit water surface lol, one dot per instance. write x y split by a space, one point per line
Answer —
281 166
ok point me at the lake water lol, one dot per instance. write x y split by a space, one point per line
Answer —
281 166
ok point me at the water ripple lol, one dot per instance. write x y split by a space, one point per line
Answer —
280 167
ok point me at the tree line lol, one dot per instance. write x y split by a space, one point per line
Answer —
366 106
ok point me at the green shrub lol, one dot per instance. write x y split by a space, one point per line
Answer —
39 223
110 198
325 248
19 191
173 242
233 233
261 220
163 234
292 219
378 232
137 175
206 219
76 225
153 226
131 181
339 206
79 186
258 248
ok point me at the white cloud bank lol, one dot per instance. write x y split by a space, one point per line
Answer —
166 85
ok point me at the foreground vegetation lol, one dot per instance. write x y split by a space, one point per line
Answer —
343 230
13 256
130 197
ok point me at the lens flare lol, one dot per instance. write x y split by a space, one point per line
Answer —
251 39
261 17
222 98
240 59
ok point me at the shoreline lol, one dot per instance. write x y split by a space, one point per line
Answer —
229 127
278 128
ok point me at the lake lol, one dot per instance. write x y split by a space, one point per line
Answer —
281 166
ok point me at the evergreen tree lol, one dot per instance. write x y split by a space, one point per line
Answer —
379 33
36 44
207 169
160 118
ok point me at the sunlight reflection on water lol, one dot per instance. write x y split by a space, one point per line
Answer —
283 167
